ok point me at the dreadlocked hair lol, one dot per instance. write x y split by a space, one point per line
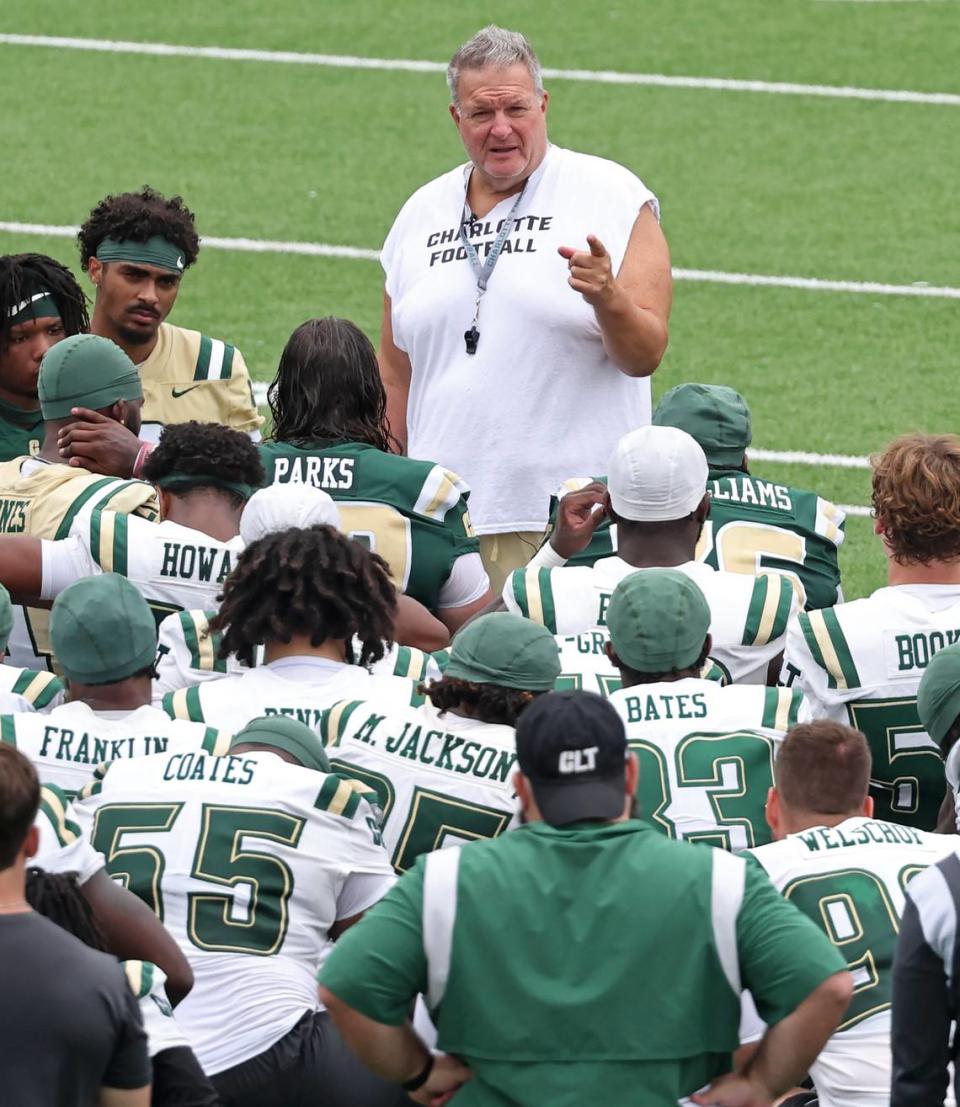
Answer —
328 388
490 703
206 450
312 581
24 275
58 897
139 216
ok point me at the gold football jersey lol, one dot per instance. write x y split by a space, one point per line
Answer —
44 504
190 376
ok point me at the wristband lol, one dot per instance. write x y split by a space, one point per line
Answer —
546 558
421 1078
142 454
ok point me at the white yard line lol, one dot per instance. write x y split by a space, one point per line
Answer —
411 65
709 276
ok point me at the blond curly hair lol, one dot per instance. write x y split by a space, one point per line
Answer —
916 497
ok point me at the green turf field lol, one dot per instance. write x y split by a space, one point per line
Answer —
802 186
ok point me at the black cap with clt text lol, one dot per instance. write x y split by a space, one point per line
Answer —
572 747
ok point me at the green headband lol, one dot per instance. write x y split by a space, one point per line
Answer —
179 480
157 250
41 305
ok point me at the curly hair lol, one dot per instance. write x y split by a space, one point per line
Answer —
205 450
139 216
490 703
313 581
58 897
328 388
24 275
916 497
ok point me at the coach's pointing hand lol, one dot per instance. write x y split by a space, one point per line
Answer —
591 272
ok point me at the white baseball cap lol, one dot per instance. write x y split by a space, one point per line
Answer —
281 506
656 474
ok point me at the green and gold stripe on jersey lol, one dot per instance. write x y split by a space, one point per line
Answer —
410 662
341 796
333 721
202 642
37 688
781 708
53 803
533 592
216 741
91 491
109 541
827 644
214 360
441 658
184 703
439 494
140 977
769 609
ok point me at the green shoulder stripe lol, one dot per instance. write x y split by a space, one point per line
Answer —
333 721
38 688
92 788
417 698
140 977
214 359
216 741
184 703
8 730
781 707
202 642
769 609
836 653
534 594
84 498
518 581
713 670
120 524
441 657
53 803
338 796
803 621
410 662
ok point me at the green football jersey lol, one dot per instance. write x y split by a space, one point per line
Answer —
412 513
754 525
21 432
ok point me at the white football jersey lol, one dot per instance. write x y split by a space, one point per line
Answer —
68 745
860 663
28 690
850 879
172 566
62 847
440 779
187 654
748 615
249 861
706 756
300 687
584 664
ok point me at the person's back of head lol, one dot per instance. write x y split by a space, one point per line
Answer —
659 624
208 458
88 371
717 417
328 387
499 664
19 802
916 499
657 492
821 777
291 741
314 583
282 506
104 636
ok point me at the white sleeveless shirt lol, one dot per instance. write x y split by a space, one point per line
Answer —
540 398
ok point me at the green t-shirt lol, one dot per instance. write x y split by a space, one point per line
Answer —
584 958
413 513
754 524
21 432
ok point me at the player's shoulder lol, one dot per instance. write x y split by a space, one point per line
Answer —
421 488
533 590
40 689
198 356
757 609
843 641
757 705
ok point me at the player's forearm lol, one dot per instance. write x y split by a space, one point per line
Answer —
790 1047
396 383
635 338
394 1053
21 565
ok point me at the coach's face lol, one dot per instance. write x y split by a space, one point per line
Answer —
502 122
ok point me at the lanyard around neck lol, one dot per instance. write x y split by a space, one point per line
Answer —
484 270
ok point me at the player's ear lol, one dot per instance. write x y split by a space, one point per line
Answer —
772 811
703 508
868 806
95 270
31 844
632 774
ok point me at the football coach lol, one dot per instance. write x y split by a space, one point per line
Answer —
584 956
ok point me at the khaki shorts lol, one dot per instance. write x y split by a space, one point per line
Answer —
502 553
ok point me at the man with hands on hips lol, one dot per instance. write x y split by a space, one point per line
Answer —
484 353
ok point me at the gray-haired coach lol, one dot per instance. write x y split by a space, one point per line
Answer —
527 297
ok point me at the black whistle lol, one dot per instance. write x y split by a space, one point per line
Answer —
472 339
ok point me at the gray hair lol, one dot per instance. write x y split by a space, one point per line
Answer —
495 47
